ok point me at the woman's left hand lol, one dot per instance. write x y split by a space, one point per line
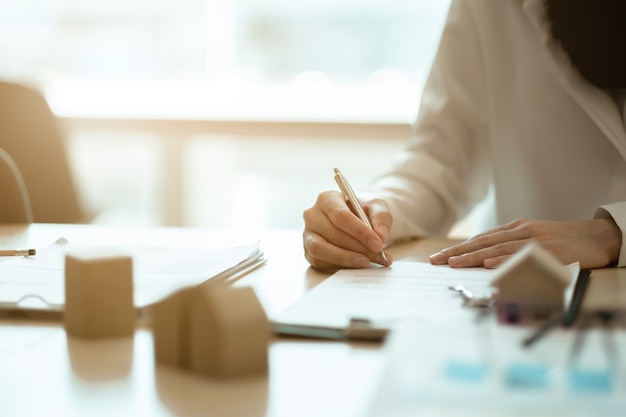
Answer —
594 243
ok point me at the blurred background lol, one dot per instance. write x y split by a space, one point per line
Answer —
222 113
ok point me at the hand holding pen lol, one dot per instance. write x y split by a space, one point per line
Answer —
354 203
341 233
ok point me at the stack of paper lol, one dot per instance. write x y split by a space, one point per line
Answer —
37 282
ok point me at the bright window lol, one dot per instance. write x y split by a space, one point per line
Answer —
224 58
221 60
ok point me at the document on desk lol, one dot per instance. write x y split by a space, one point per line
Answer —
485 370
366 303
157 271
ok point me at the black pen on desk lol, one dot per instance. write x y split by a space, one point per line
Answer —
567 319
17 252
580 288
353 202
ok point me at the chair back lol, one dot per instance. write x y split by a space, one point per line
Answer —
14 201
29 132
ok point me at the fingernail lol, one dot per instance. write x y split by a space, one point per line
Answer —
438 257
455 260
490 263
360 262
374 245
384 261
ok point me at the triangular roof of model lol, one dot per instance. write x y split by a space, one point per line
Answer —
539 257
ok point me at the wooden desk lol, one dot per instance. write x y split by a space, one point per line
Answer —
45 373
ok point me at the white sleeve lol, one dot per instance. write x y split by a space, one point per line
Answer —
443 172
616 211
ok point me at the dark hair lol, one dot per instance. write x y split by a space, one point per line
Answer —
593 34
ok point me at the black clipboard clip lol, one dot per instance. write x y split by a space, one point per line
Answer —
363 329
358 329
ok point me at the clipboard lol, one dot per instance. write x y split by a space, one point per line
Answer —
366 304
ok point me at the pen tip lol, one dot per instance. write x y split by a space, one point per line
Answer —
31 252
336 170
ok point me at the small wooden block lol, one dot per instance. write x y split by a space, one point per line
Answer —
99 295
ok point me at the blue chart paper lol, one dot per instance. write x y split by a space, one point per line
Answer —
483 370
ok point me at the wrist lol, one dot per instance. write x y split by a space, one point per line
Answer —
610 239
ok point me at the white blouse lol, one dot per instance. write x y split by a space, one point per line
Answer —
504 111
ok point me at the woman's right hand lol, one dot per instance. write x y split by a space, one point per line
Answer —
334 237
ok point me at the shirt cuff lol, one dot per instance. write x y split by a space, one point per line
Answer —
616 211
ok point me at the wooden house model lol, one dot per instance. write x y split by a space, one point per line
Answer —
216 331
530 286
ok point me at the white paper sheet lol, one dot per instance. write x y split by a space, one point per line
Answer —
157 271
406 290
484 370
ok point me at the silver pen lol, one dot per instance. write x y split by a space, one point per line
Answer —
353 202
